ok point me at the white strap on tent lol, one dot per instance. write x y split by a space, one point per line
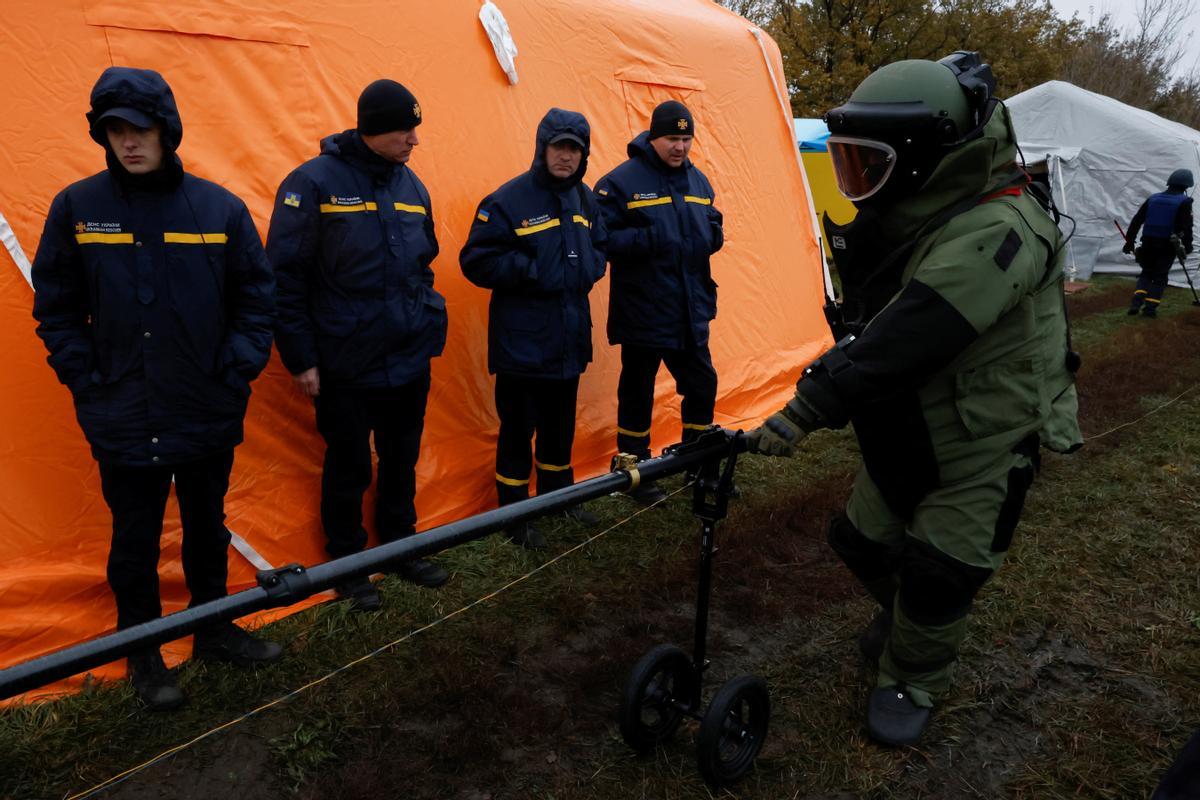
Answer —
249 553
787 118
1056 170
14 249
244 549
501 38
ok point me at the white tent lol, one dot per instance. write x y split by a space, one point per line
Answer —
1103 158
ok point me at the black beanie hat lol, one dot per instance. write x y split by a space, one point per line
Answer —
671 119
386 106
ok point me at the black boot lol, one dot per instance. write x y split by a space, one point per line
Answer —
422 572
361 593
581 515
647 493
874 638
894 719
227 642
527 536
155 686
1150 311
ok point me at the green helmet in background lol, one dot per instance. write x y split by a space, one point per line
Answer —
902 120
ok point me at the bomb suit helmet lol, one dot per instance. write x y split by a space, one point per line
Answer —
902 120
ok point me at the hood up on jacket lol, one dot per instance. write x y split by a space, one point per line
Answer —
144 91
556 122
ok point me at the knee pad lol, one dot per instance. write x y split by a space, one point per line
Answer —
937 589
867 559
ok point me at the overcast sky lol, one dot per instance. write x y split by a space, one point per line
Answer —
1124 13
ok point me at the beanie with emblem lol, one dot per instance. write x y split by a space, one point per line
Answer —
671 119
386 106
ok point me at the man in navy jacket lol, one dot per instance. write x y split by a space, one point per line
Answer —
351 241
1166 235
155 300
662 229
538 243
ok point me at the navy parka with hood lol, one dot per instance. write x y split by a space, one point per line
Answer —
538 243
662 229
153 296
351 241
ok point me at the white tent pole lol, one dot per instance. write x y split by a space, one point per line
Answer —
787 116
1056 168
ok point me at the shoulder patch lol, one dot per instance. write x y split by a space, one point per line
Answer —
1008 250
482 215
291 199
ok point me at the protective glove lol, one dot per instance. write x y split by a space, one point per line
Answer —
1128 248
778 435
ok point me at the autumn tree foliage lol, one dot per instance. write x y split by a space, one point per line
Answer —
829 46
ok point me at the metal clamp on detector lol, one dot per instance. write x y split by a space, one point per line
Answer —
665 684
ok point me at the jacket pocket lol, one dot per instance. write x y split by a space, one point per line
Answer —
998 398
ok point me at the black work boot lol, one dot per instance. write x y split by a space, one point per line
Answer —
227 642
361 593
894 719
1150 311
647 493
581 515
155 686
526 535
875 636
422 572
1133 310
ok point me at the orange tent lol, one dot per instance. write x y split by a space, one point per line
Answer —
258 84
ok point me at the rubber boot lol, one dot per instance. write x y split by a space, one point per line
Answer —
875 636
894 719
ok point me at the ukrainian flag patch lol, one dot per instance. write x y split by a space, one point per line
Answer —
482 215
291 199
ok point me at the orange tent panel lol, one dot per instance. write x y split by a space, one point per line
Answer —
258 84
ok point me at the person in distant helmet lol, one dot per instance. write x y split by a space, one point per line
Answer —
952 363
351 240
155 299
663 228
538 243
1165 220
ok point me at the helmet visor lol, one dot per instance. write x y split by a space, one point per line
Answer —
860 166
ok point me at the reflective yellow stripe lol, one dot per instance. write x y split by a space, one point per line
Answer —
1139 291
704 201
511 481
195 238
104 238
1152 300
581 220
410 209
551 467
632 433
688 426
554 223
660 201
330 208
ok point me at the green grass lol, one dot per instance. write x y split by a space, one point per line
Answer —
1077 679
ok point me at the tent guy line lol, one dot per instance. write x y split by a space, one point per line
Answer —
179 748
